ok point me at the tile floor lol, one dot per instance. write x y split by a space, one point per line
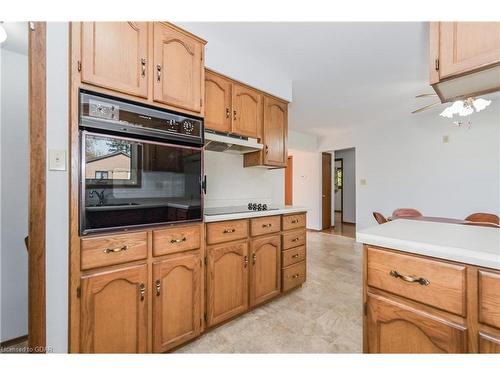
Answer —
324 316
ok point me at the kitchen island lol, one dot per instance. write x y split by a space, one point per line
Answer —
431 288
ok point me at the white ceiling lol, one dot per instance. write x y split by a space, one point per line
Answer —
344 73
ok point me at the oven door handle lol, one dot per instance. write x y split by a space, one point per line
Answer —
204 184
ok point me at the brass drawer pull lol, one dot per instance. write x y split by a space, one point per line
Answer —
227 113
245 261
254 258
143 67
295 276
115 250
158 73
232 230
158 286
295 239
234 115
183 239
267 225
410 279
142 289
295 221
295 255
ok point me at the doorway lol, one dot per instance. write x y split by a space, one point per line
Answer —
338 174
289 181
326 190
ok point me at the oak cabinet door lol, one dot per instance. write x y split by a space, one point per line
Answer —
178 64
265 275
114 311
489 344
275 132
227 281
465 46
393 327
247 111
217 102
176 301
115 56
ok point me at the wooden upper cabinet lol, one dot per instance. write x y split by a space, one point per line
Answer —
114 55
265 275
178 68
218 106
176 301
275 132
393 327
227 281
467 46
114 311
247 111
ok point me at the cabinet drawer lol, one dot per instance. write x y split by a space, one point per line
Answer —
434 283
113 249
489 298
294 276
293 256
293 239
294 221
265 225
226 231
174 240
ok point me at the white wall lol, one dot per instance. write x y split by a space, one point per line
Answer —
349 188
14 194
235 62
57 188
229 184
306 175
406 164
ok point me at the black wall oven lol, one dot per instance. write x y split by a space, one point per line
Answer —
139 165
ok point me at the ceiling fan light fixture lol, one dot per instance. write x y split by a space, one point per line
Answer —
3 33
480 104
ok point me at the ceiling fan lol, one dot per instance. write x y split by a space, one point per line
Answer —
426 107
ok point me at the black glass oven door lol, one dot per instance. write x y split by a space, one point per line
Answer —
128 183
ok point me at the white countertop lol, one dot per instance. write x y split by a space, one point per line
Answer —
218 214
479 246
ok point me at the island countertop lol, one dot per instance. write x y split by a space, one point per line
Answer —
475 245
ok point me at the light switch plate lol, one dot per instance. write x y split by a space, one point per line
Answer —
57 160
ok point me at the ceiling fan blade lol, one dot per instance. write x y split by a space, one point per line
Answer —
425 107
425 95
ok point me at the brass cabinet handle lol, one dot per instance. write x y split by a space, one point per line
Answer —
267 225
142 289
267 149
183 239
231 230
295 239
295 255
245 261
254 258
295 221
109 250
228 113
410 279
158 73
295 276
234 115
158 286
143 67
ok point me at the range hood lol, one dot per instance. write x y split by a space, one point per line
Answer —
225 142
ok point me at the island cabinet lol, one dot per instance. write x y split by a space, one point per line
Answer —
419 304
155 63
464 58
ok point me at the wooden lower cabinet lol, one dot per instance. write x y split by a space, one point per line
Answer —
488 344
114 311
227 281
177 301
394 327
265 274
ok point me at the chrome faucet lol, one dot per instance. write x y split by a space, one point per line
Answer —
100 196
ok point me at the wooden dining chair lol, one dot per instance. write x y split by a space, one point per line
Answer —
379 218
482 224
406 212
483 218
